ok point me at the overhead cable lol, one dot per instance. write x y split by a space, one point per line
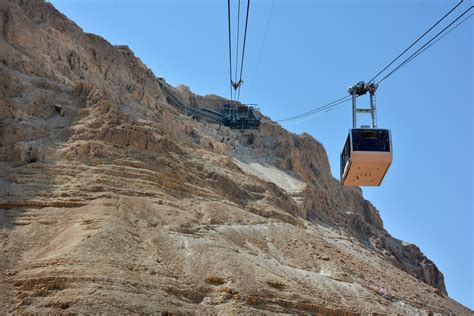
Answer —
237 44
419 51
263 42
441 37
230 48
416 41
243 49
317 109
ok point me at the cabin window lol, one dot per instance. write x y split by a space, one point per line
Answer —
346 153
370 140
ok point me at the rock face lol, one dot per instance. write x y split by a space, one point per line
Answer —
113 202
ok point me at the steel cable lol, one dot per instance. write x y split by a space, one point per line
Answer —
418 52
243 49
416 41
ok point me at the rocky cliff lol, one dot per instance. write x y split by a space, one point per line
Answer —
113 201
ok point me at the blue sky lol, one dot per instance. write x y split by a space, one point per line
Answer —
313 51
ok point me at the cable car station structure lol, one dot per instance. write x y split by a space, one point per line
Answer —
235 116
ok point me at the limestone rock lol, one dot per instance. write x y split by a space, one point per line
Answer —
111 201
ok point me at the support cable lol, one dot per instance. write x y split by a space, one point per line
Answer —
230 49
243 49
438 39
418 52
318 109
316 112
263 42
237 44
417 40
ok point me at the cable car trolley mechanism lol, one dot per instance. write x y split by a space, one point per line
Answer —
367 153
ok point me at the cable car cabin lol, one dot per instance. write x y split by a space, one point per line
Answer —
366 157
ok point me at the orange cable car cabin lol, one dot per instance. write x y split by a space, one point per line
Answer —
366 157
